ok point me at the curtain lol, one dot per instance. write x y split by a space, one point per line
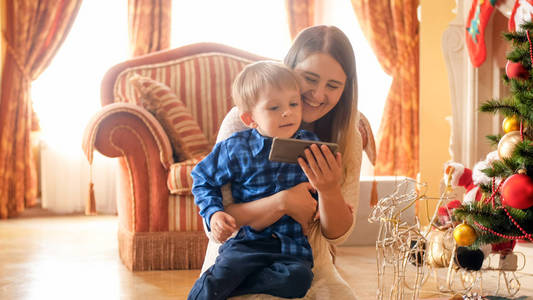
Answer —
148 25
392 29
300 14
32 32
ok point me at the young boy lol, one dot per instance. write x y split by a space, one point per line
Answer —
276 260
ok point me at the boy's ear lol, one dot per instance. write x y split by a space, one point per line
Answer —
247 119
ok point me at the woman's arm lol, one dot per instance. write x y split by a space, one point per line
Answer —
324 171
296 202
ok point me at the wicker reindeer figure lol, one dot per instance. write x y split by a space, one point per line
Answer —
400 245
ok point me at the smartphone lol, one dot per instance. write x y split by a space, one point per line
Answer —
288 150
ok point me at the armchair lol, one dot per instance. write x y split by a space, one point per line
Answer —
159 224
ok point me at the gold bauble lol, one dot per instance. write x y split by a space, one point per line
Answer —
508 143
510 124
440 248
464 235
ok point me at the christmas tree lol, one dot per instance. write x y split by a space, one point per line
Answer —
505 211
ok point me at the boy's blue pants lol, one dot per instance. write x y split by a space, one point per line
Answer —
253 267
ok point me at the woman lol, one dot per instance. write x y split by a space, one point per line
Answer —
324 60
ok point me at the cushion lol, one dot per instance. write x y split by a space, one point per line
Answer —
179 180
201 81
185 135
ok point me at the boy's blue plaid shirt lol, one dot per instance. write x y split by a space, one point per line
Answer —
242 160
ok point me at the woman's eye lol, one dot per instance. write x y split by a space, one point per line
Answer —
332 87
310 79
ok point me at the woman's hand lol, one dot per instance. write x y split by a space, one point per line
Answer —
300 204
323 169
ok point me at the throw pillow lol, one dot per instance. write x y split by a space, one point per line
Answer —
185 135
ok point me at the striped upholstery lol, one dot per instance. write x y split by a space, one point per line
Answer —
179 180
183 214
203 83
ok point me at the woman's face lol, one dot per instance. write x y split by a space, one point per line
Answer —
322 82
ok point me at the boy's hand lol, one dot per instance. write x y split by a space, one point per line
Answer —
222 226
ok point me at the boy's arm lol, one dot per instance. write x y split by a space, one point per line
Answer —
208 177
222 226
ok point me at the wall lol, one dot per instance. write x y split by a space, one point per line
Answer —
435 104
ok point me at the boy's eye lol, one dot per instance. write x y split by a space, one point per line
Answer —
294 104
273 108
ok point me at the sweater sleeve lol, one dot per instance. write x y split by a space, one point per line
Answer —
232 123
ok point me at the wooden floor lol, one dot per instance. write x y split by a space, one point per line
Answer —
76 257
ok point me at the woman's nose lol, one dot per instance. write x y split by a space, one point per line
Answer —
318 93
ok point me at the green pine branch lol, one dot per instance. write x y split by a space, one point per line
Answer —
528 26
515 37
494 139
496 219
523 155
505 106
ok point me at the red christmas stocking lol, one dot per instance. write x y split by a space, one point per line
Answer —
522 11
478 17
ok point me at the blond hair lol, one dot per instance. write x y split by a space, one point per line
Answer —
258 76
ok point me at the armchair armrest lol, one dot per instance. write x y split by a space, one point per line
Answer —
131 133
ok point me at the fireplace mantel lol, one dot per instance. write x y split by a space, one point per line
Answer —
469 86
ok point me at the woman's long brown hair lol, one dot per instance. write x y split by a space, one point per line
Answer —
333 126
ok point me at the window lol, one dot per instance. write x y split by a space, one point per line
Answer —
256 26
67 94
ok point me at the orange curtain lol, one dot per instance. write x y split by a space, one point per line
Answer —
148 25
392 28
300 14
32 32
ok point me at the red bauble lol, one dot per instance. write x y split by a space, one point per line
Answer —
517 191
516 70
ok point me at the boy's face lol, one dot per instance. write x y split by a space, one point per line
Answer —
277 113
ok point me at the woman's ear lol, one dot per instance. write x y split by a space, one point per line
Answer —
246 118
